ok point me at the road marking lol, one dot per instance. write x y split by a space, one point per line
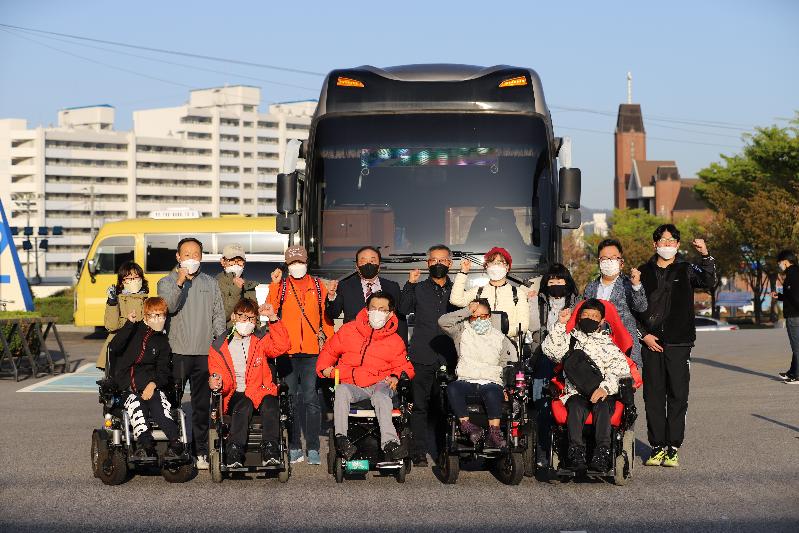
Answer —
82 380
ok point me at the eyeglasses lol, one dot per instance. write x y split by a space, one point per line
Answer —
235 261
501 262
242 317
668 241
611 258
480 317
155 316
439 261
131 277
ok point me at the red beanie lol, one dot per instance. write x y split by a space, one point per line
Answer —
501 251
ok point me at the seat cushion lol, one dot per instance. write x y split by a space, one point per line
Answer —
560 414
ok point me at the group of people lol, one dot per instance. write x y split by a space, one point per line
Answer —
213 340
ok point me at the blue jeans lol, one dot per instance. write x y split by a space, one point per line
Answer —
491 394
299 372
792 325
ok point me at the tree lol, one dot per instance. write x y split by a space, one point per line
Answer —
579 256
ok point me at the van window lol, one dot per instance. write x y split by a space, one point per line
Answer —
112 252
160 249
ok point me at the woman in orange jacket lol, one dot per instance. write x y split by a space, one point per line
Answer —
238 366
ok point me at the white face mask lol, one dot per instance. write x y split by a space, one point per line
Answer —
132 286
298 270
191 265
610 267
244 328
667 252
378 319
496 272
236 270
156 324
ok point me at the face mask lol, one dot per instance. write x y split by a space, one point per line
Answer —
378 319
438 270
557 291
368 271
298 270
587 325
481 326
156 325
236 270
610 267
496 272
132 286
191 265
667 252
244 328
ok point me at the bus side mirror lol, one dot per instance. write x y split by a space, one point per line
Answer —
569 180
92 267
288 220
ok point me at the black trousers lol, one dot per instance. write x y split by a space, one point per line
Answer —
666 378
578 407
194 368
157 407
425 394
241 408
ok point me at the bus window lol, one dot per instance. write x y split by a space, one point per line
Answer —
160 249
223 239
112 252
268 243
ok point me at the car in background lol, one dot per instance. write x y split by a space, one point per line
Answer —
703 323
709 311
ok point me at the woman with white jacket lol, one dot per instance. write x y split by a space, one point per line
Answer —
501 295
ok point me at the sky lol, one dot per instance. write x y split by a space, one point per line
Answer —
705 72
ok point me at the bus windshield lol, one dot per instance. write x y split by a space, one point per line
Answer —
407 182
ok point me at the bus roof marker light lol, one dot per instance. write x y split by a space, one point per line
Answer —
349 82
518 81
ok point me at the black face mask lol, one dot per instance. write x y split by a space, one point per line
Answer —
557 291
369 270
588 325
438 270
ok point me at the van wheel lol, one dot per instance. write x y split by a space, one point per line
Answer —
510 468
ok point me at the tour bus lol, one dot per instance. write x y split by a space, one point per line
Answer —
151 242
407 157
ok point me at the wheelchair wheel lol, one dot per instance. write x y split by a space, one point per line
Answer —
510 468
622 474
554 464
528 455
401 473
180 474
113 466
215 466
284 475
339 471
408 465
450 467
99 446
331 452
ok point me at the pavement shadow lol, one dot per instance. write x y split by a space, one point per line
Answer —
777 422
642 450
733 368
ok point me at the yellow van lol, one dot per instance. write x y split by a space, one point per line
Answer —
152 242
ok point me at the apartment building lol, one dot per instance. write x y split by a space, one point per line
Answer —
216 154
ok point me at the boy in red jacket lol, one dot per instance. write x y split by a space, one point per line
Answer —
370 357
238 366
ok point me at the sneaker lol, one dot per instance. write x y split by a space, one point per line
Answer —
782 375
394 451
420 460
313 457
344 448
792 379
600 462
575 458
235 457
656 457
671 459
202 462
296 456
270 454
495 438
473 432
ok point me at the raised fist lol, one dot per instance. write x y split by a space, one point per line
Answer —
414 275
277 275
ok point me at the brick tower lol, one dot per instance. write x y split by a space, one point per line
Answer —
630 140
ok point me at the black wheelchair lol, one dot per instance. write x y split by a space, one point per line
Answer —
364 433
113 446
219 431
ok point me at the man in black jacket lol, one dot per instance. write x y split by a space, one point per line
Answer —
429 347
786 260
668 333
139 366
351 294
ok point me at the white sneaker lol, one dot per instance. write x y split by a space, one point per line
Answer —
202 462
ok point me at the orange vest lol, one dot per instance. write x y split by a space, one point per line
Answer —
302 334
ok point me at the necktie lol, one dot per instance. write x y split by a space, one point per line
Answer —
368 289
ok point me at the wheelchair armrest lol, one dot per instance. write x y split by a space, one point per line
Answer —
404 383
444 377
107 387
626 391
282 388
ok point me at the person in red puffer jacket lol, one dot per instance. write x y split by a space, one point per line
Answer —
370 357
239 370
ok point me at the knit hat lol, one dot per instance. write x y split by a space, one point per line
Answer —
501 251
296 253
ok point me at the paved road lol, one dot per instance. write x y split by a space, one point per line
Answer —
739 471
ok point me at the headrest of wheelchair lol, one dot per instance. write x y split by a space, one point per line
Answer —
499 319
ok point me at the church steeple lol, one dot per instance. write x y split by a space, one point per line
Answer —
630 140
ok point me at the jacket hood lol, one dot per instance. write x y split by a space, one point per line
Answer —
362 323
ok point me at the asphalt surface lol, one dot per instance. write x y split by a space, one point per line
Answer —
739 470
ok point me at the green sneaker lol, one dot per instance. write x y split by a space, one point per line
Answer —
657 457
672 459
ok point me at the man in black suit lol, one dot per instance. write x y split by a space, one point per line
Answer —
350 295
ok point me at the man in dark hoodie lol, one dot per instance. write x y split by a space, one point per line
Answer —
139 366
789 297
668 333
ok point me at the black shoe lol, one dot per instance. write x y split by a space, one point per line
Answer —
576 458
344 448
145 452
420 460
394 451
270 454
174 451
600 462
235 456
782 375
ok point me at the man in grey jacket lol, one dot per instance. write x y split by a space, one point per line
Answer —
196 317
